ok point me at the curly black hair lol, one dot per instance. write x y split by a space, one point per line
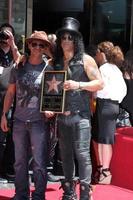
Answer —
78 49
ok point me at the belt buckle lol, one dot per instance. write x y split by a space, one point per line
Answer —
28 123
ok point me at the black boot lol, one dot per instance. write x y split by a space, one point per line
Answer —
69 190
85 191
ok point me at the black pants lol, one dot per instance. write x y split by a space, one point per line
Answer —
74 140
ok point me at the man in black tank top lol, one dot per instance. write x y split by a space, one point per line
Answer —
74 125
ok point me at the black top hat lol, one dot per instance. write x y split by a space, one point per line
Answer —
69 25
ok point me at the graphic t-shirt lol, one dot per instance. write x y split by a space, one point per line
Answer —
28 91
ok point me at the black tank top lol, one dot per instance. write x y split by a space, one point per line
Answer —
77 100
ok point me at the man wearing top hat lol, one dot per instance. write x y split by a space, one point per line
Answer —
29 126
74 125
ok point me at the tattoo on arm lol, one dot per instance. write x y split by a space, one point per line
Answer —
94 73
91 68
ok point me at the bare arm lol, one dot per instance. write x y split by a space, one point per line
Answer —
93 73
15 51
8 101
16 54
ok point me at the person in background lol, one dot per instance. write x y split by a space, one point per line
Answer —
52 121
9 55
109 58
74 128
52 144
127 70
52 38
92 50
30 125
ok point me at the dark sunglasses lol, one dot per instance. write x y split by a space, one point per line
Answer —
41 46
68 37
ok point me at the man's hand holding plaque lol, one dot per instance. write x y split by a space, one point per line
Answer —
53 93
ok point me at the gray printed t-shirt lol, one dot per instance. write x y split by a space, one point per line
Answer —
28 91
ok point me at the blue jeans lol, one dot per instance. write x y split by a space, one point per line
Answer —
74 140
30 136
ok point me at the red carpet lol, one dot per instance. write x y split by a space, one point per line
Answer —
101 192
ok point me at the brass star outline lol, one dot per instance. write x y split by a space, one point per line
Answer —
53 84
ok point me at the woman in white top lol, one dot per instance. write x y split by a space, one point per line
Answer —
107 107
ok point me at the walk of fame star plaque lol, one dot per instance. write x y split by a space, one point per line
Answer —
53 94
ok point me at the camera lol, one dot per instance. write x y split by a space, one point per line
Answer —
3 36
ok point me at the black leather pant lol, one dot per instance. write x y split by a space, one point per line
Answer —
74 140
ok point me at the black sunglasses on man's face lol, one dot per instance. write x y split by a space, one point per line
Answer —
67 37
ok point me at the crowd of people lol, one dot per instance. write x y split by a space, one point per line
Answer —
98 75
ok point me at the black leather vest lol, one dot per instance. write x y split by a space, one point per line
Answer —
77 100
